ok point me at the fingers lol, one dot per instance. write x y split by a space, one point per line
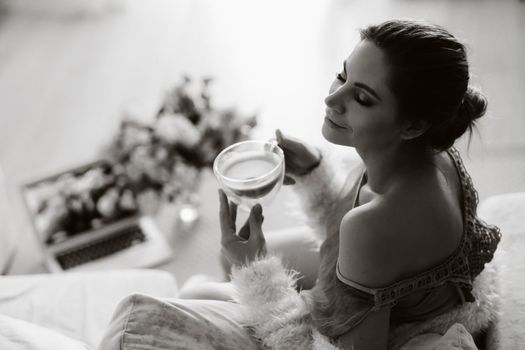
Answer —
244 232
233 213
255 221
288 144
279 136
283 140
227 226
251 230
229 206
288 181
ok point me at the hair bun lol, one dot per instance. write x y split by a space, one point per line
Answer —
473 106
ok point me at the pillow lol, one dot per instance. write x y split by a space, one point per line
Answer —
21 335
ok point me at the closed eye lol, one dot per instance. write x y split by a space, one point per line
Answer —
362 99
358 95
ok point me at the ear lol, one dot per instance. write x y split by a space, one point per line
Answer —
413 129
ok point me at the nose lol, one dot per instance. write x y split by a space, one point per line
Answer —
335 100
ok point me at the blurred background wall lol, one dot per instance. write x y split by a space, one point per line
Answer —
70 69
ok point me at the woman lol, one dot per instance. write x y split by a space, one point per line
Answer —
401 243
402 250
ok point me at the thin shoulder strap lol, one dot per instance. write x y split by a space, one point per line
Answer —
353 284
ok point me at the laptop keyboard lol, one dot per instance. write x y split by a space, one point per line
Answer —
104 246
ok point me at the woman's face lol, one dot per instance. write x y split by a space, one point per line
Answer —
360 108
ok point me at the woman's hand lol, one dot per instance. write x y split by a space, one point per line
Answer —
300 158
243 248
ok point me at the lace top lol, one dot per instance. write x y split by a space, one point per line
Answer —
340 304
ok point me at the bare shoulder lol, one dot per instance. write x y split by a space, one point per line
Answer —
367 246
410 229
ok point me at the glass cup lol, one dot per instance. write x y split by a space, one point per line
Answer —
250 172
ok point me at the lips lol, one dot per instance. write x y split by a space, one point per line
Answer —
333 124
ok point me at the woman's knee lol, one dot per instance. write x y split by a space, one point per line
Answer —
141 321
112 339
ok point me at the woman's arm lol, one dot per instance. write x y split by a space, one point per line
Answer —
368 256
318 182
322 193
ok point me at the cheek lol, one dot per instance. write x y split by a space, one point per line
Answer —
374 125
338 137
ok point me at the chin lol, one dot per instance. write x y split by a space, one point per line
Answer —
337 137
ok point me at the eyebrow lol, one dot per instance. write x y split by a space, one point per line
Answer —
363 85
368 88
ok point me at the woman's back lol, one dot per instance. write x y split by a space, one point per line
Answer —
432 289
422 214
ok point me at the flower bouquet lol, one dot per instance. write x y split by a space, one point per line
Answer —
167 155
164 157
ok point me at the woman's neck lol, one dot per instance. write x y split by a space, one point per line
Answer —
384 166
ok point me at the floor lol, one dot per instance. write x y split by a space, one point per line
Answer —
66 80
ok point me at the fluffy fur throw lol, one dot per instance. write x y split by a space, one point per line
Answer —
280 316
277 313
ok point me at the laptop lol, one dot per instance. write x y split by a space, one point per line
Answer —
87 218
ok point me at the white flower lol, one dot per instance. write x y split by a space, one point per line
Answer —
66 183
38 195
161 154
107 204
48 221
176 129
92 179
141 158
133 172
133 135
127 201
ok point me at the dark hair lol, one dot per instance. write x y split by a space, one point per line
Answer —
430 78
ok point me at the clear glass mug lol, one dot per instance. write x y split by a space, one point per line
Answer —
250 172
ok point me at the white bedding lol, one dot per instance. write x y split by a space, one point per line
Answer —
77 305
